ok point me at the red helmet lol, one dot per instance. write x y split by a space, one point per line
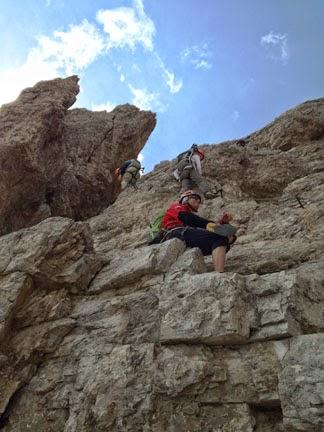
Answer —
188 194
117 172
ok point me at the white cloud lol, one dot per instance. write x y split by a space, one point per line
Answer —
127 27
235 115
198 56
202 64
145 100
174 86
142 98
108 106
276 45
72 50
169 77
13 80
136 68
64 54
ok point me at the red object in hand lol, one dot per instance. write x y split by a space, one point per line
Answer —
226 218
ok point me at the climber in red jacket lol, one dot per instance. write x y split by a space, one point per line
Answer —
181 221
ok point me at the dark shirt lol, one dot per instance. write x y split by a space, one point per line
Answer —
193 220
124 167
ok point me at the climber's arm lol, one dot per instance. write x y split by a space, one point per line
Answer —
193 220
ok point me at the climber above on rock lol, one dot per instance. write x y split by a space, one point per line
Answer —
128 173
181 221
189 172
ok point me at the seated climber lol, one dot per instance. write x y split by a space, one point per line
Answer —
128 173
189 172
180 221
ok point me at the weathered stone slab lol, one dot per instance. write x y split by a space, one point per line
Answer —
251 374
288 303
43 306
42 338
14 289
8 388
123 270
128 319
112 390
301 384
204 308
182 370
57 252
129 267
220 375
191 261
190 416
122 382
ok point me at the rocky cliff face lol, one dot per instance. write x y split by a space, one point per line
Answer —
100 332
60 162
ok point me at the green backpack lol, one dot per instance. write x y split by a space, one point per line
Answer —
155 227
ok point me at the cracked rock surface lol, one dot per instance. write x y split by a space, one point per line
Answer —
100 332
56 161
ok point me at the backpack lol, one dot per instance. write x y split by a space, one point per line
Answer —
155 227
187 154
183 155
130 163
124 167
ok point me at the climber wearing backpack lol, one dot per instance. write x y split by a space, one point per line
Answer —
128 173
189 171
181 221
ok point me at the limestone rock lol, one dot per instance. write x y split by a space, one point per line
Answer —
129 268
298 125
56 253
190 416
191 261
15 287
301 384
112 392
101 332
288 303
204 309
131 319
44 338
217 375
42 306
56 162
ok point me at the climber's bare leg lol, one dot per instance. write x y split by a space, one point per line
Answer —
218 256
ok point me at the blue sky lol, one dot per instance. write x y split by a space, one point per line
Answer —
212 70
